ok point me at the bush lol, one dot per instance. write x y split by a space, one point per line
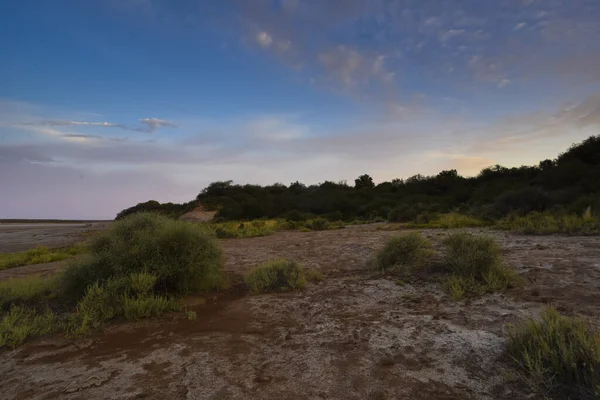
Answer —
558 355
404 253
21 323
277 275
477 266
182 256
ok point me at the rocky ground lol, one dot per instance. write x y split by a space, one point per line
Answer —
356 335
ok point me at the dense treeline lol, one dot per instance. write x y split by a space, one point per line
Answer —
570 183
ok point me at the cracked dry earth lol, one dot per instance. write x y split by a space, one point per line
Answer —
356 335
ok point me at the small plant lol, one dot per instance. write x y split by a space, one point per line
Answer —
476 265
277 275
404 253
558 355
314 275
191 315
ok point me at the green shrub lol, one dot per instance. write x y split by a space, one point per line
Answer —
477 265
39 255
143 283
182 256
558 355
21 323
404 253
276 275
101 303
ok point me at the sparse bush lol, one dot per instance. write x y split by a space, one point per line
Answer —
477 266
21 323
277 275
558 355
404 253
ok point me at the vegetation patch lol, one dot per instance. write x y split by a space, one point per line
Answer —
537 223
139 268
40 255
20 323
558 355
449 221
29 290
276 275
477 266
405 254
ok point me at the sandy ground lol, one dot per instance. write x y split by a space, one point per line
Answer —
356 335
21 237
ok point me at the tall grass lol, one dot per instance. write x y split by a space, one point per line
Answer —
558 355
546 223
40 255
477 266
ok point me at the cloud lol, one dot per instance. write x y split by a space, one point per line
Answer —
149 125
152 124
79 136
264 39
76 123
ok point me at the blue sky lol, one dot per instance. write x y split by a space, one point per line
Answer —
104 104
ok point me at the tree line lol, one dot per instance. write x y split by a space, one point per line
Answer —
568 184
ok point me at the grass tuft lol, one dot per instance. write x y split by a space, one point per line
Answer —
558 355
404 253
314 275
276 275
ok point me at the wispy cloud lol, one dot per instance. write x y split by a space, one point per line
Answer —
149 125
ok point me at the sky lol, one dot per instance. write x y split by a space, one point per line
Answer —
107 103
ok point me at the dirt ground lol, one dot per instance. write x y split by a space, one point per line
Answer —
21 237
356 335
